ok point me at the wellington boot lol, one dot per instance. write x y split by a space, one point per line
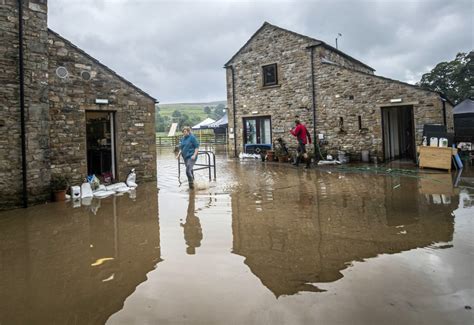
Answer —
297 162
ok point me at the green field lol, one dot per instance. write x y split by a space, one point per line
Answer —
192 109
190 113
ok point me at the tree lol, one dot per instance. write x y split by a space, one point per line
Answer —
207 110
176 113
455 79
217 112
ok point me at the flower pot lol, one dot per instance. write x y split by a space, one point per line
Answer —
60 196
283 159
270 155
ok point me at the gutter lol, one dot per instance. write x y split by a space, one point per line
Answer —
22 105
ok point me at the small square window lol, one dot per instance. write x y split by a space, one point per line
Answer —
270 75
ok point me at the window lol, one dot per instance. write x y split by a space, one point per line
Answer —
270 75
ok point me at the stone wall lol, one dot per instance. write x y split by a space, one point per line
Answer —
56 107
292 95
324 53
71 97
344 88
36 102
282 102
347 93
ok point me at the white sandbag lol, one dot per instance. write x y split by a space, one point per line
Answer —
123 189
249 155
103 194
328 162
132 179
86 190
116 186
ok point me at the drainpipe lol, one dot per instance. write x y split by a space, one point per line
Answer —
313 96
233 110
444 111
22 103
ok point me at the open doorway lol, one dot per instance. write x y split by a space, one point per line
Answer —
100 137
398 132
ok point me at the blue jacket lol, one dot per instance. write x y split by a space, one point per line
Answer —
187 145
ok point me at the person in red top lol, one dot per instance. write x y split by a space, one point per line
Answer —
302 135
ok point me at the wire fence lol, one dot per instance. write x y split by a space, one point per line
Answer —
204 139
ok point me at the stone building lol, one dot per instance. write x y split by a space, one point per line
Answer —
279 74
79 117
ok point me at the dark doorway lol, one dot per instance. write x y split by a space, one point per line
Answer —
257 131
398 132
100 145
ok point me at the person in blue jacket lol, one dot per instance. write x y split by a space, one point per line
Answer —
188 148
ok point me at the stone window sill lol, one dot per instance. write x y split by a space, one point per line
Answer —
270 87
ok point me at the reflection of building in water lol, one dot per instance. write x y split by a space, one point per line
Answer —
310 229
60 265
192 227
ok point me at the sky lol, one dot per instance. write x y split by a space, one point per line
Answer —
176 50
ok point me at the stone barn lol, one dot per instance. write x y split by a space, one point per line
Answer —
279 74
64 112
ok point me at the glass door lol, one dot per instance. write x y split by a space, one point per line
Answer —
257 131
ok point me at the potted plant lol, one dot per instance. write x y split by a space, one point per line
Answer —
270 155
281 150
59 186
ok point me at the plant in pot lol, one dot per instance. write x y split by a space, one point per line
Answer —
281 150
59 186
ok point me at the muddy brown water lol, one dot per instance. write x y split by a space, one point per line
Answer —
264 244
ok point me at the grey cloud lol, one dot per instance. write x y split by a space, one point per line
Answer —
175 50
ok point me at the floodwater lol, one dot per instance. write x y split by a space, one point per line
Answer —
264 244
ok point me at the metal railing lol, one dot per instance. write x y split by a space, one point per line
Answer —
210 164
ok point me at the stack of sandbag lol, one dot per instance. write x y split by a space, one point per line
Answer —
93 188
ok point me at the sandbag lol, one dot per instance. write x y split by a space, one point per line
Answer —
86 190
132 179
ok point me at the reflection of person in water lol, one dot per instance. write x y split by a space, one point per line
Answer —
192 227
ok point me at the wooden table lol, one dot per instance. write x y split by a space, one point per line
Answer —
435 157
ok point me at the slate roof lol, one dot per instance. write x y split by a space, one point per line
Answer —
464 107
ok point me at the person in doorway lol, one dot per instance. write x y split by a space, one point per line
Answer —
192 227
188 148
303 137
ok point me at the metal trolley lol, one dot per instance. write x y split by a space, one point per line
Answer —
210 164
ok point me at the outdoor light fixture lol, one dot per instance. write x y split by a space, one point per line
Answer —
101 101
396 100
254 112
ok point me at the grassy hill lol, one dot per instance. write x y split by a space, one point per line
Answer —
191 109
193 113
